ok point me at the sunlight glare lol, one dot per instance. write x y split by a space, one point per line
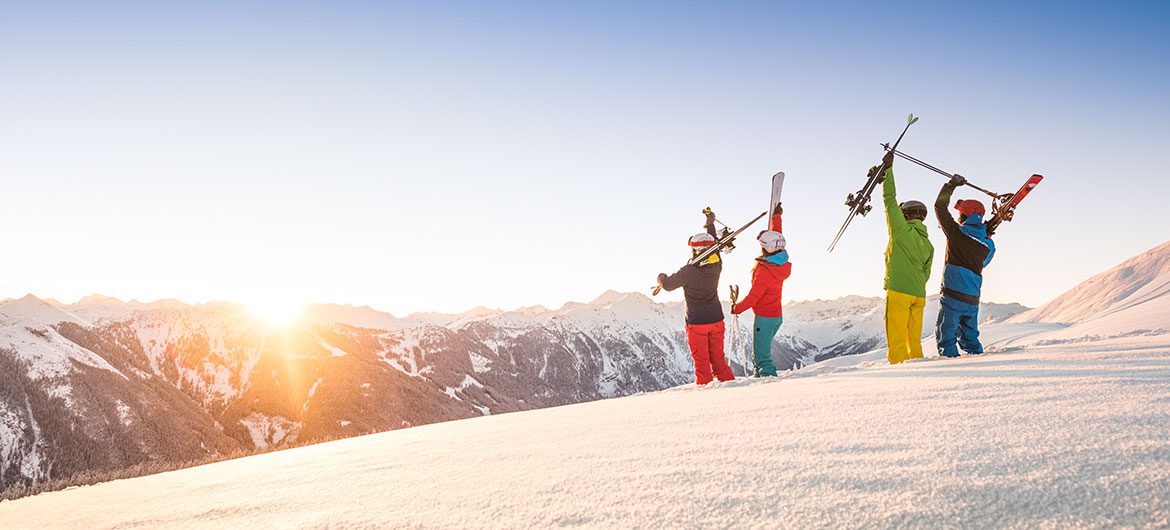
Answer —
276 313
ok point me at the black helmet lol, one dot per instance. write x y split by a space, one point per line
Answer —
913 209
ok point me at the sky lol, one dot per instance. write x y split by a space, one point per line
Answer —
437 156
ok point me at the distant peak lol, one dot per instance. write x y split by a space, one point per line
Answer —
34 308
481 311
99 299
608 298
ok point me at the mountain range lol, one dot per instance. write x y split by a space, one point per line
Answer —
103 384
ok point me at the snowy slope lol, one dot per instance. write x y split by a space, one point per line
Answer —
26 328
1046 438
1131 299
34 309
1141 280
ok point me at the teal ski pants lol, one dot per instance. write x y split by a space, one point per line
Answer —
766 328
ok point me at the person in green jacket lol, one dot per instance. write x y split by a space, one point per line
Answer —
908 259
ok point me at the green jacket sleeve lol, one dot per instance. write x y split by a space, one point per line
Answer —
929 262
894 218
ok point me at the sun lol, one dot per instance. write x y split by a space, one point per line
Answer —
276 313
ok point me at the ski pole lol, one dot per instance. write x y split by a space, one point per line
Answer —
735 326
936 170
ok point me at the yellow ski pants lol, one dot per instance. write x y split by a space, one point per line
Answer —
904 326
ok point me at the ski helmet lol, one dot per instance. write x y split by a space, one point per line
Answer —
970 207
771 241
701 240
913 209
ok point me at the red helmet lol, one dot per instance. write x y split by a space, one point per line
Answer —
970 207
701 240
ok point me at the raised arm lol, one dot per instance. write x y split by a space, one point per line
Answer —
710 224
895 221
948 224
776 224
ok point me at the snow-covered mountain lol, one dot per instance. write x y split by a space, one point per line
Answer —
1057 437
121 383
1131 298
231 382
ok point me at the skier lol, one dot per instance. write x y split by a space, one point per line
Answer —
908 259
969 250
772 268
704 321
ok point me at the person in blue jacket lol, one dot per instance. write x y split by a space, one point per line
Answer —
969 250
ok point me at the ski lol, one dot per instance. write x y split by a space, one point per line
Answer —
726 241
1004 206
777 186
858 203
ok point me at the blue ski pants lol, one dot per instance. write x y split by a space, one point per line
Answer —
958 322
766 328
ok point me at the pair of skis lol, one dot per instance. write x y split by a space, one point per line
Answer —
1003 205
726 241
858 203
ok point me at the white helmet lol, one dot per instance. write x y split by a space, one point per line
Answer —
772 241
701 240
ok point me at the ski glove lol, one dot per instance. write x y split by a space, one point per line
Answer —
710 217
957 180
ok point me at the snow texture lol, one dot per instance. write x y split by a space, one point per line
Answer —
1049 437
1120 294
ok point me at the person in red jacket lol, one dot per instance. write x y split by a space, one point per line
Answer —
772 268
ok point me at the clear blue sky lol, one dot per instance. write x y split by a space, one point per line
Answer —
442 155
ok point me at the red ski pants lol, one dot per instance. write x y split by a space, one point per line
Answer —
706 341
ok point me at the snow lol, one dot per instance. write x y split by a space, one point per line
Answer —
479 363
313 389
124 412
1075 435
269 431
1124 288
467 382
1131 299
46 352
35 309
333 350
235 339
